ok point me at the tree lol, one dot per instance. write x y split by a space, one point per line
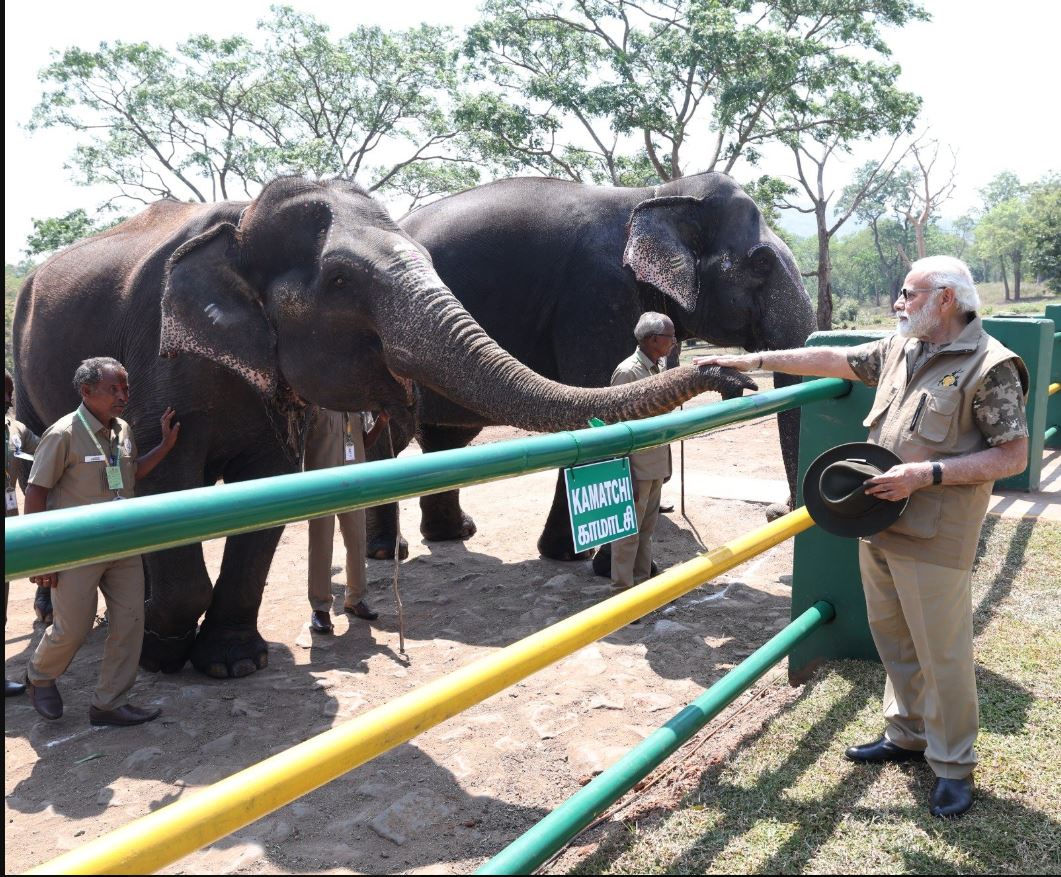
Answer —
928 188
217 118
1002 187
1042 230
57 232
1001 234
609 90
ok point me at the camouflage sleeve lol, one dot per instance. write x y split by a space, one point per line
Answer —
998 405
867 360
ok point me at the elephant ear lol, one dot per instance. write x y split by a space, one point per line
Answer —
659 247
210 309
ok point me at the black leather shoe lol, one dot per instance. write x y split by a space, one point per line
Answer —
666 509
320 621
951 798
883 750
361 610
13 688
122 716
45 699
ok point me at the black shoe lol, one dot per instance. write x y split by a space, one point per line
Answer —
45 699
122 716
320 621
666 509
951 798
361 610
11 689
883 750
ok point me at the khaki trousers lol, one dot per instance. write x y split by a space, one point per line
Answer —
73 613
632 556
921 618
321 537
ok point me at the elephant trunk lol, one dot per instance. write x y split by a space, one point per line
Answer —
428 336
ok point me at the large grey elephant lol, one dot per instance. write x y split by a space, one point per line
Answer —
558 272
239 314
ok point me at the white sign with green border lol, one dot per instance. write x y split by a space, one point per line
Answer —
600 498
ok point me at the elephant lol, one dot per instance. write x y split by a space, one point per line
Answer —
242 314
558 273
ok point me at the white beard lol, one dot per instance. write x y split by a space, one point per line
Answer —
920 326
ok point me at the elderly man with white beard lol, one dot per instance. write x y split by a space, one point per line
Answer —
950 405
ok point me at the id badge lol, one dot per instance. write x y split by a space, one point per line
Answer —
349 451
10 503
114 478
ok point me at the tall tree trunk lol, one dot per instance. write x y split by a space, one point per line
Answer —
1005 278
919 231
825 270
1016 257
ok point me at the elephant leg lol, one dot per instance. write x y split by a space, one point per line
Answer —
442 518
228 643
788 425
179 591
381 521
556 541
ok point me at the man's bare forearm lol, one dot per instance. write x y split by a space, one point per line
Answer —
826 362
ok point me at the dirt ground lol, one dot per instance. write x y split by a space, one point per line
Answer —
455 795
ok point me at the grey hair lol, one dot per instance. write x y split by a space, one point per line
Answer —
652 323
951 272
91 370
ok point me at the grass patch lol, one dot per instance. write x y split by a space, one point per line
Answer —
785 801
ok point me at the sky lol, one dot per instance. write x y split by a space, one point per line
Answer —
987 72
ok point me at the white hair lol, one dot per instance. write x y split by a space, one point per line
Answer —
652 323
951 272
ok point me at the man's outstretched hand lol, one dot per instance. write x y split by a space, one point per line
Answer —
728 382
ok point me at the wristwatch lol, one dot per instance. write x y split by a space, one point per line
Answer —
937 473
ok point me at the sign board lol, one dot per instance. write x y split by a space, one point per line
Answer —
600 498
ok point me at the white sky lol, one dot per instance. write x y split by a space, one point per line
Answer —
988 73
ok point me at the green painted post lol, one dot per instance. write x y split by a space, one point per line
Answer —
1053 405
825 567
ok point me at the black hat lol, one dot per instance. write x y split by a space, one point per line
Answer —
834 495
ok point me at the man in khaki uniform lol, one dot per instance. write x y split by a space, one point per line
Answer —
632 556
84 458
19 441
338 438
950 404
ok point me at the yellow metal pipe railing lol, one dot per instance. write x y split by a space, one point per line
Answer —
154 841
1054 388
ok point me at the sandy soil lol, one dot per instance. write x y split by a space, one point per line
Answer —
458 793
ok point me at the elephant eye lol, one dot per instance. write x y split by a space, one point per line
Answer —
339 281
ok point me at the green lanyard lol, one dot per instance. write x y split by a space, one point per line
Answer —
113 469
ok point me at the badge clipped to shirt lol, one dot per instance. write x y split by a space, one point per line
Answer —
114 478
349 451
10 503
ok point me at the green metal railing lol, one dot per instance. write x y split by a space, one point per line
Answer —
52 541
547 837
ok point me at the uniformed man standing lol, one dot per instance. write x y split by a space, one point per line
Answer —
950 404
338 438
84 458
21 442
632 556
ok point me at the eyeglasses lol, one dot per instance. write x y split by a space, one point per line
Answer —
911 293
661 335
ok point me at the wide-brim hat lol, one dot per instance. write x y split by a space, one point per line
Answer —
834 491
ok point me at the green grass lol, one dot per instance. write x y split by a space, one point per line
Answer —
785 801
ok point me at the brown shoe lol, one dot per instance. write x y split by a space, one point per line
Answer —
361 610
45 699
123 715
320 621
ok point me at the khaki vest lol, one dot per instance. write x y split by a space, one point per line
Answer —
930 417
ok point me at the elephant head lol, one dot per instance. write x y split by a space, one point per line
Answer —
318 291
703 253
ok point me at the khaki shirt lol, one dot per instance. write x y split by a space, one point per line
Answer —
329 434
67 461
652 464
19 438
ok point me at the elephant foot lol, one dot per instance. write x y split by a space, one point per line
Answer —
448 531
560 549
165 654
229 653
381 547
602 563
776 510
42 605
